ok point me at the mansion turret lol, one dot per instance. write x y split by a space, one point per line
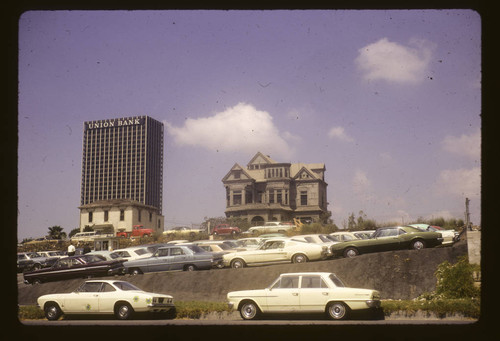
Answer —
270 191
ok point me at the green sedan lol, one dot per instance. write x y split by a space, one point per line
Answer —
388 239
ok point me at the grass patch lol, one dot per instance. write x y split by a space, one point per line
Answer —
441 307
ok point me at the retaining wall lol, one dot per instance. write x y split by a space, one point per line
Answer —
397 275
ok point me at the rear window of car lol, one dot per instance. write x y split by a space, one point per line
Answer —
141 251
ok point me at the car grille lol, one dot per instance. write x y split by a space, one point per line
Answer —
162 300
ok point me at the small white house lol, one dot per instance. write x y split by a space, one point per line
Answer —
120 215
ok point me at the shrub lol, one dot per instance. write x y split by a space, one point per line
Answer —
456 280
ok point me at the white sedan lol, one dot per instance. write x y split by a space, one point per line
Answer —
277 250
132 253
106 297
307 292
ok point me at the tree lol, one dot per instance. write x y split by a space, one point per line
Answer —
56 232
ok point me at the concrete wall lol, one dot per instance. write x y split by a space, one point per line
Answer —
474 246
397 275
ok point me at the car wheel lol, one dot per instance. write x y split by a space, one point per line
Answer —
299 258
249 310
337 311
417 244
37 266
123 311
233 232
52 311
135 272
351 252
215 233
189 267
237 263
36 281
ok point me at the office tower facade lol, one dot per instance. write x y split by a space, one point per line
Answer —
123 159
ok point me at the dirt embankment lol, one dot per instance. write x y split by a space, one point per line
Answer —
397 275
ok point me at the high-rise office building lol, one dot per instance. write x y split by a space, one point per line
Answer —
123 159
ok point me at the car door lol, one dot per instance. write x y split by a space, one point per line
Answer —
283 296
177 258
159 262
387 240
271 251
85 300
314 293
107 298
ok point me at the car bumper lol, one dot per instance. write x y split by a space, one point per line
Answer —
373 303
160 307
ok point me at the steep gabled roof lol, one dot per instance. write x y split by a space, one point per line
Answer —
237 167
260 158
305 174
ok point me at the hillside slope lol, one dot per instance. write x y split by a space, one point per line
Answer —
397 275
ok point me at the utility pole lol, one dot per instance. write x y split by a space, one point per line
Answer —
467 214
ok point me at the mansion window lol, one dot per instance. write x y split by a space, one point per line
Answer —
122 215
91 216
303 198
106 215
237 198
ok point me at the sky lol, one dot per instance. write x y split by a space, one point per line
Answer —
388 100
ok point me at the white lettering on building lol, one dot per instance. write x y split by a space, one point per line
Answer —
120 122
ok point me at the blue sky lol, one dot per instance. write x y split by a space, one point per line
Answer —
390 101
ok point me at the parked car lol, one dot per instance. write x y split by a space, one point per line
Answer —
320 239
109 255
217 246
175 257
307 292
388 239
276 250
271 227
449 236
183 231
75 267
106 297
138 231
27 261
51 254
87 237
131 253
226 229
343 236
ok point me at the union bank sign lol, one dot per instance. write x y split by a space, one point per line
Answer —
112 123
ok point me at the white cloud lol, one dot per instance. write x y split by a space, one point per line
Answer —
360 183
465 145
460 182
339 133
385 60
239 128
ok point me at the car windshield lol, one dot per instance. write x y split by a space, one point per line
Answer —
223 246
126 286
324 238
336 280
195 248
231 244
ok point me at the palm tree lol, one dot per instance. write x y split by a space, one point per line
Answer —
55 232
